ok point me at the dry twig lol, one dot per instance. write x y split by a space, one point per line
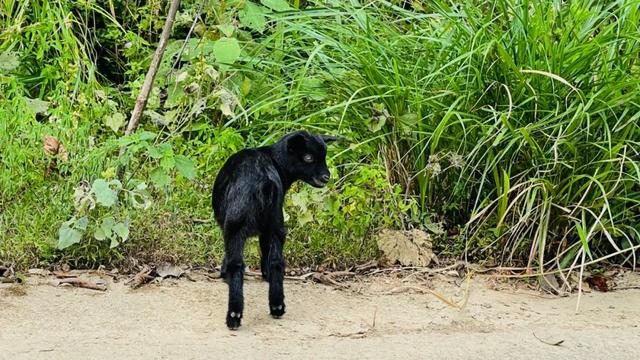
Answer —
557 343
141 101
77 282
142 277
402 289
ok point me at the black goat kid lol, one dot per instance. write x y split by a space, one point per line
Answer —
247 201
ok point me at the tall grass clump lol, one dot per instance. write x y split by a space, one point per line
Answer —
516 121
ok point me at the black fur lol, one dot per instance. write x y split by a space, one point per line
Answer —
247 201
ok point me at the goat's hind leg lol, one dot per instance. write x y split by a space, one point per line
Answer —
234 276
276 275
265 244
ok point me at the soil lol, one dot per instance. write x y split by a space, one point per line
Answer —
370 318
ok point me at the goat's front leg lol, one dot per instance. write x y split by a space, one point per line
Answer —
276 276
234 273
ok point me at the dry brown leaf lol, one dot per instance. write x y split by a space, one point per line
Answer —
62 153
167 269
53 146
599 283
549 283
409 248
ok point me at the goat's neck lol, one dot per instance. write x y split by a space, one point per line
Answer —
286 177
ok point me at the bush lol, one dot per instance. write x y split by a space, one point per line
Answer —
511 125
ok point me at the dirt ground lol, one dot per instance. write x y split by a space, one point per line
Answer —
372 318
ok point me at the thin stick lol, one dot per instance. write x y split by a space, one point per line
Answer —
434 271
77 282
580 283
422 290
141 101
557 343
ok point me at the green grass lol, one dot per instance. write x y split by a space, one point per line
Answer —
515 120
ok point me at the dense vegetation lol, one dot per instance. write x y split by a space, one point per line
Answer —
507 129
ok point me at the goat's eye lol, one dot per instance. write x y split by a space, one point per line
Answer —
308 158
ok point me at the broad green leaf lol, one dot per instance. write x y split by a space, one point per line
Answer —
67 235
314 87
182 76
114 242
146 135
176 95
226 50
435 228
252 16
157 118
115 183
410 119
139 200
154 152
377 123
107 225
168 161
185 167
165 148
82 223
122 230
245 87
8 61
99 234
115 121
300 200
276 5
304 218
159 178
109 173
38 106
103 192
226 29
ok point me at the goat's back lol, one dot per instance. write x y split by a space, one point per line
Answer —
247 186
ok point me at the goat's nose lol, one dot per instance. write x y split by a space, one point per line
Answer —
325 177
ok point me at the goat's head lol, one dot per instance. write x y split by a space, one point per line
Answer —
306 157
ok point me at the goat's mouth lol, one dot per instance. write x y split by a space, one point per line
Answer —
315 182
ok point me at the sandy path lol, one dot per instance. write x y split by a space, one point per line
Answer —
184 320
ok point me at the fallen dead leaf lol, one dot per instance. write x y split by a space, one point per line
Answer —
53 146
409 248
549 283
168 270
599 283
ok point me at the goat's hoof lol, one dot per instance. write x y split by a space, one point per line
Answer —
277 311
233 320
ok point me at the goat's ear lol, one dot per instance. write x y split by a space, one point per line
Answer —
296 143
330 138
